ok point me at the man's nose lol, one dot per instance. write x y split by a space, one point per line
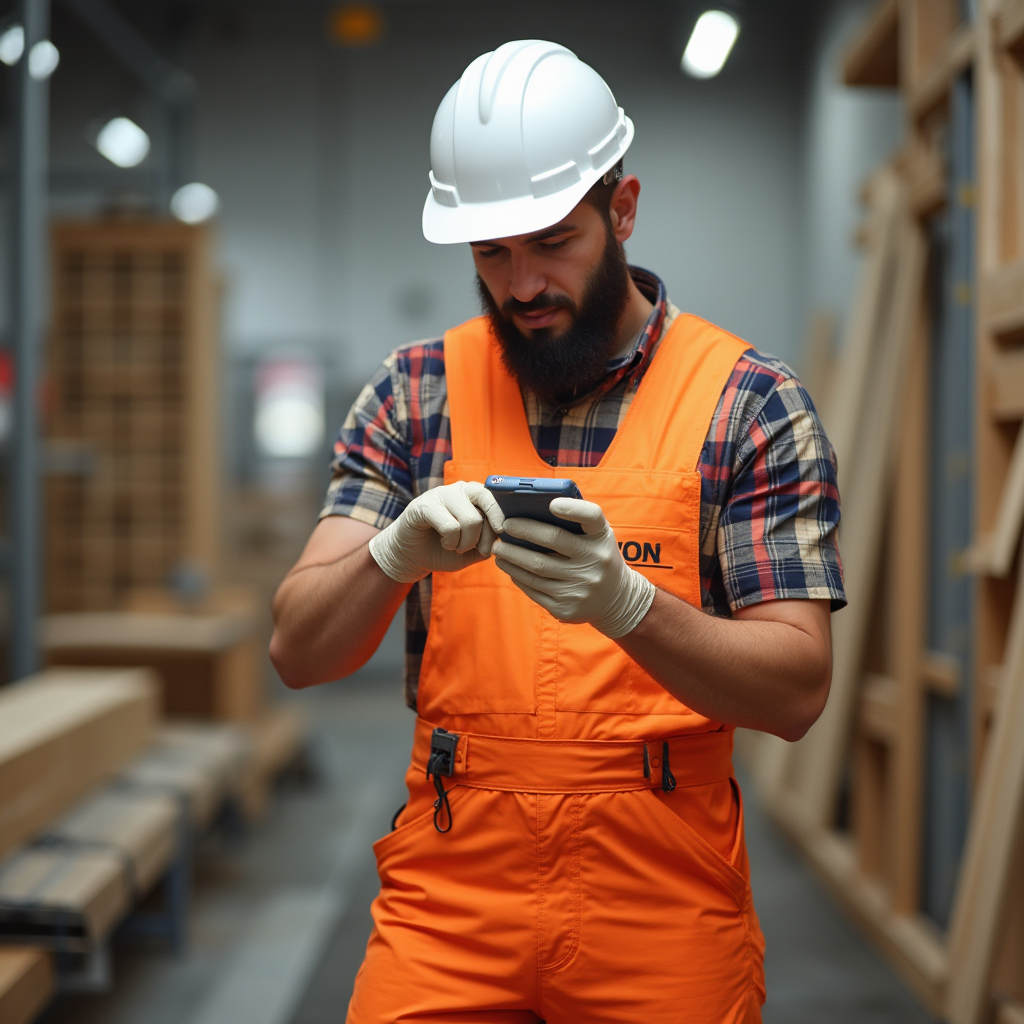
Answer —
527 281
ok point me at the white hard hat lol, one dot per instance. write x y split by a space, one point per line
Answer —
518 141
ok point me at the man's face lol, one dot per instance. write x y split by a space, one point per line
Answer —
555 298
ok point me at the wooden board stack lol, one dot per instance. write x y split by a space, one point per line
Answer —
63 733
133 367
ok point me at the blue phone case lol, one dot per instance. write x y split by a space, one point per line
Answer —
528 497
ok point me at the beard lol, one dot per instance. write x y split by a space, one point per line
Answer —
560 367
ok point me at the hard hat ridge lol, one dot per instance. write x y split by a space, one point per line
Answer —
517 142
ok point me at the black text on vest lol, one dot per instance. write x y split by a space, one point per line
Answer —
642 553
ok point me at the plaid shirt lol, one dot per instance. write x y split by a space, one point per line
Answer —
769 501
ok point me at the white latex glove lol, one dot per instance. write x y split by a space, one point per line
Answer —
585 578
442 530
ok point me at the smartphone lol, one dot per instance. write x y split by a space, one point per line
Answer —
528 497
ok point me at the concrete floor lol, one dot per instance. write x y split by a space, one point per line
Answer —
280 922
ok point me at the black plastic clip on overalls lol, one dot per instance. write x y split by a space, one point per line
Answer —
440 764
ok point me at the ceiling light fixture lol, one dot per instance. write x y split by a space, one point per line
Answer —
12 45
123 142
710 44
43 59
194 203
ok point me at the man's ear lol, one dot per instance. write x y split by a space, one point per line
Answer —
622 208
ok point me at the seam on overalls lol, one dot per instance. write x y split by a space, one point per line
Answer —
577 891
541 892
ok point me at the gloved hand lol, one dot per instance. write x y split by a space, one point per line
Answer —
442 530
585 578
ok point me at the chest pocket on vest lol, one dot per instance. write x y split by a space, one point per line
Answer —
593 673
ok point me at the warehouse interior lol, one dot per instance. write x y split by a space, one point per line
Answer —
211 237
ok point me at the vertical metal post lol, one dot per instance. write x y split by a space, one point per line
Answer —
28 295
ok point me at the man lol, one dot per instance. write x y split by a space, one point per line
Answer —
572 849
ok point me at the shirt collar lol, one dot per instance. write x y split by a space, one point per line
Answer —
653 289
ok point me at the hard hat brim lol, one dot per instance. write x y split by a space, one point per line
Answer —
479 222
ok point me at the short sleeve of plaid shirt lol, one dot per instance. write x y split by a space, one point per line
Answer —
769 499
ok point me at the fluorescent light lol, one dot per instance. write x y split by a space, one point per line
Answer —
123 142
43 59
710 44
12 45
194 203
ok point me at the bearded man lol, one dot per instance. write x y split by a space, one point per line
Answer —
572 848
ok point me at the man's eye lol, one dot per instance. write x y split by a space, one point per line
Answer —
487 253
553 245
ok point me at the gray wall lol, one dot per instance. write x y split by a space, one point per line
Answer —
321 158
847 133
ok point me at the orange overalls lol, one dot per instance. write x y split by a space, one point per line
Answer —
575 885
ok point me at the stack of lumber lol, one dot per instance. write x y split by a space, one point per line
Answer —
62 733
198 764
26 983
209 665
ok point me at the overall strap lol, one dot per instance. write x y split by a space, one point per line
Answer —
667 423
485 406
664 428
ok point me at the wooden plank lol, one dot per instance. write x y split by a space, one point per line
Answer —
61 734
1010 25
142 826
909 941
936 81
276 738
199 764
69 898
1003 290
1006 375
940 673
1009 1011
908 595
873 59
148 631
26 983
778 762
924 170
879 700
864 487
993 554
991 837
818 361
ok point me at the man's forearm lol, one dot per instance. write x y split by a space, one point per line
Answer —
329 619
757 673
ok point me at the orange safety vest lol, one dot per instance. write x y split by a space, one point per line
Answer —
574 884
498 663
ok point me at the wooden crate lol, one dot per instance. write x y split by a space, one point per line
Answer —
133 365
209 666
61 734
26 983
